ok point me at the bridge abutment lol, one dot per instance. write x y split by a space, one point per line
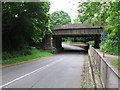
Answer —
47 42
57 43
97 41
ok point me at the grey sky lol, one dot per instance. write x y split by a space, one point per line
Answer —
69 6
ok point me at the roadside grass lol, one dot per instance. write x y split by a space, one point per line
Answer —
116 63
35 53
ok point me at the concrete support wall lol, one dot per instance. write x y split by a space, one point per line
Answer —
52 41
57 43
47 42
97 41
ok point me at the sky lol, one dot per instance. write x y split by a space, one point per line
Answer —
68 6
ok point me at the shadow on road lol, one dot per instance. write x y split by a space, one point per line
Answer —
73 51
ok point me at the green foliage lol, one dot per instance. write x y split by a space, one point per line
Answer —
110 46
93 12
91 42
76 20
68 39
60 18
24 24
116 63
35 53
107 15
53 49
13 54
77 39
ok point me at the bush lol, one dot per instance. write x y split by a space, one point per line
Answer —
14 54
110 46
53 49
91 42
35 53
68 39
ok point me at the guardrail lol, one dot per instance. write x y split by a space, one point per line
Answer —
109 77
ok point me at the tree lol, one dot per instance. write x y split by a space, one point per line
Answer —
60 18
106 14
24 23
76 20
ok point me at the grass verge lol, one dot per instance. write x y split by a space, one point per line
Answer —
116 63
35 54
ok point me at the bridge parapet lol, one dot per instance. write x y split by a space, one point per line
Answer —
74 26
76 29
78 32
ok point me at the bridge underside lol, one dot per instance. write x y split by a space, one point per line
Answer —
57 40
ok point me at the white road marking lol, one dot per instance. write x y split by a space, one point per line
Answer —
39 69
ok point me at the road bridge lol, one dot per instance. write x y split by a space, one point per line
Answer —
74 30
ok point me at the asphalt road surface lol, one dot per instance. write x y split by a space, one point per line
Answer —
58 71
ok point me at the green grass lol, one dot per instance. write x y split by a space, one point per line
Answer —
116 63
35 53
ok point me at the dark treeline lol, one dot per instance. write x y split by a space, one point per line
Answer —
24 24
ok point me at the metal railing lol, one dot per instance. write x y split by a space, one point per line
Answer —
110 77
